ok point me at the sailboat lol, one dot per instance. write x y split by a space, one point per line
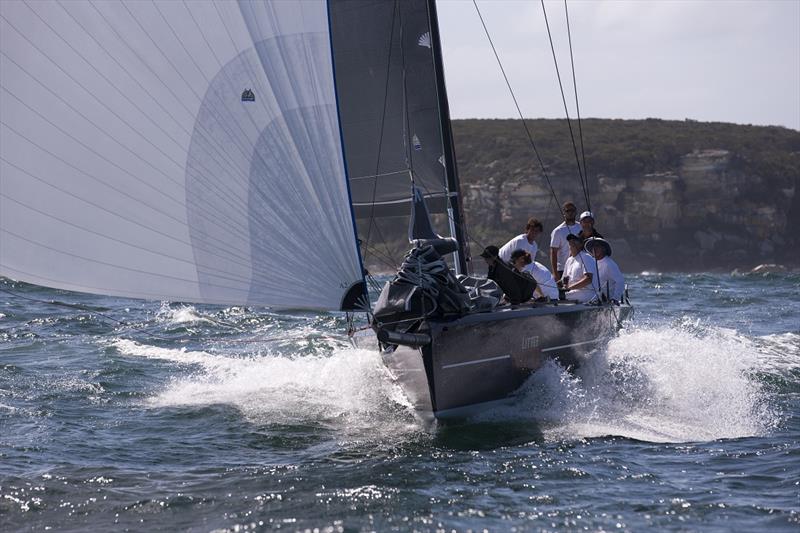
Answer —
227 152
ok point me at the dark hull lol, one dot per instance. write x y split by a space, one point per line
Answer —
481 359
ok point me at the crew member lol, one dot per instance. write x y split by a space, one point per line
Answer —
610 279
587 227
580 273
518 288
546 287
524 241
559 248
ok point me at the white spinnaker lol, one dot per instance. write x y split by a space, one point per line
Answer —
131 164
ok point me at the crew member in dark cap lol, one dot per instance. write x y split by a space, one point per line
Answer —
518 287
545 284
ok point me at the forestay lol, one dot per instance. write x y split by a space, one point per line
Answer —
174 150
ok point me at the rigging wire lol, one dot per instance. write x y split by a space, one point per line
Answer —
406 123
577 105
583 180
408 154
581 171
516 104
386 260
581 177
408 150
372 222
585 175
388 257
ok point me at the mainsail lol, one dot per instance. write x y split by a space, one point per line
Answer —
394 111
388 100
176 150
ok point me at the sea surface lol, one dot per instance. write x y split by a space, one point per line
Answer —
120 414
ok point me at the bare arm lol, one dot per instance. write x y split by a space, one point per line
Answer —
554 262
581 283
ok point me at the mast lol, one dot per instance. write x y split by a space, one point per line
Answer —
454 210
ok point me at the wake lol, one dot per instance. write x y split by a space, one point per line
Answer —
348 389
680 383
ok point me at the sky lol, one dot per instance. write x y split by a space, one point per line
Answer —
707 60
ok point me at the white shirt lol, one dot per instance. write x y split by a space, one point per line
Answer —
558 239
520 242
575 268
609 275
544 279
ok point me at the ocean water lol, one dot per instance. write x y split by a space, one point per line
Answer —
121 415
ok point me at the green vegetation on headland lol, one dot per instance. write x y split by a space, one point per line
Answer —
673 194
620 148
670 195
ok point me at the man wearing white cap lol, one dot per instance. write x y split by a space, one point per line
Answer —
587 226
610 279
559 248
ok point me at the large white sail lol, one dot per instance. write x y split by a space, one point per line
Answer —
184 150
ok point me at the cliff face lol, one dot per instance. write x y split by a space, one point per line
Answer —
696 204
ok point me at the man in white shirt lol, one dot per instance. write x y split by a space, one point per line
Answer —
610 279
580 273
559 248
525 241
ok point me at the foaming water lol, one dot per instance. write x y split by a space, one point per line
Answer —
184 315
124 414
657 385
687 382
180 315
349 389
781 351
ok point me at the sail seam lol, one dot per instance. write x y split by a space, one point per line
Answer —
79 113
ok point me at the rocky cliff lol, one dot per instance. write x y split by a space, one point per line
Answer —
670 195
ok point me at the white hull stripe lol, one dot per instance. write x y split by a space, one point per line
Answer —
478 361
571 345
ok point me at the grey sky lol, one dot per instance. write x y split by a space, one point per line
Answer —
730 61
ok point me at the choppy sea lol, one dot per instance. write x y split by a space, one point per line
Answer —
121 414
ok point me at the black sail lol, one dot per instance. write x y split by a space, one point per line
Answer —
393 107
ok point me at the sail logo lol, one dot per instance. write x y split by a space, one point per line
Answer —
425 39
248 96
